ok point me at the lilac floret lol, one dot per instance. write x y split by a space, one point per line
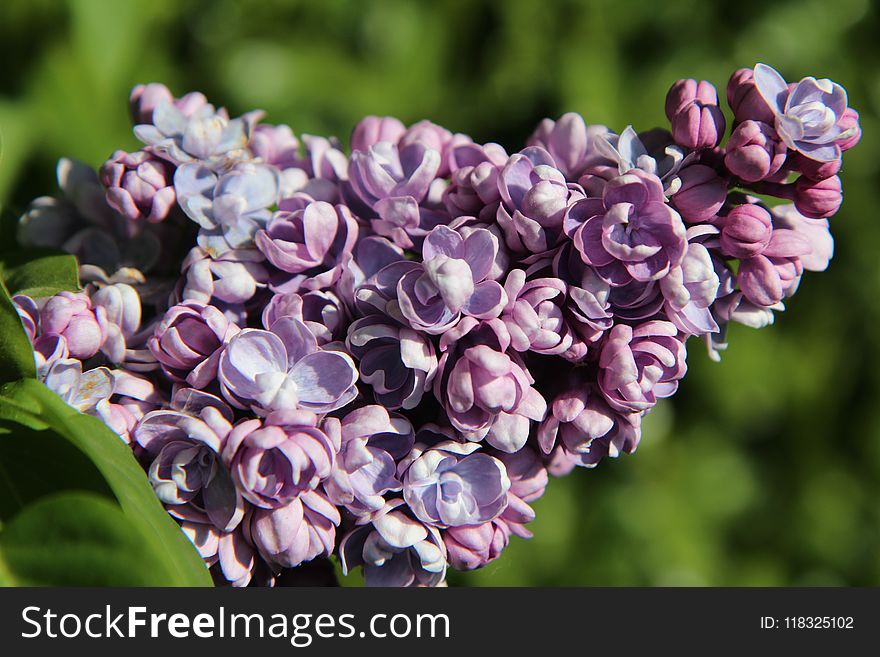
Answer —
283 369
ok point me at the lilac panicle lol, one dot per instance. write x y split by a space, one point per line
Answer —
524 310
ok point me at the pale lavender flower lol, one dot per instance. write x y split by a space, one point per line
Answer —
586 428
534 315
232 277
814 231
122 306
806 116
29 313
312 242
144 99
88 392
139 186
196 133
473 189
452 280
689 291
275 460
535 196
474 546
452 484
569 140
392 182
477 380
371 130
283 369
395 550
321 310
230 556
230 208
767 278
371 441
639 365
299 531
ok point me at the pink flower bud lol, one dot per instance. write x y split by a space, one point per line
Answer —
701 195
817 199
744 99
746 231
754 151
692 107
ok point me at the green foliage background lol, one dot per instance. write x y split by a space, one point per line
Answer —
765 469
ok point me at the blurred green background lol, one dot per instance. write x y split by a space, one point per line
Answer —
765 468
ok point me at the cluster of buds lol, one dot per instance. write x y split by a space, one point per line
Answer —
382 354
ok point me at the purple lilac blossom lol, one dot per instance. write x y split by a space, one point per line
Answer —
284 369
525 311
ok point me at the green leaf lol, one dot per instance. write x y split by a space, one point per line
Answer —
39 273
80 539
34 464
114 460
16 352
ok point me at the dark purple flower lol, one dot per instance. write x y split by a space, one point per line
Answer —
395 550
746 231
818 199
701 195
184 445
398 362
745 100
631 233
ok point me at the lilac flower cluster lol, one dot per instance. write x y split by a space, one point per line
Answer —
382 354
